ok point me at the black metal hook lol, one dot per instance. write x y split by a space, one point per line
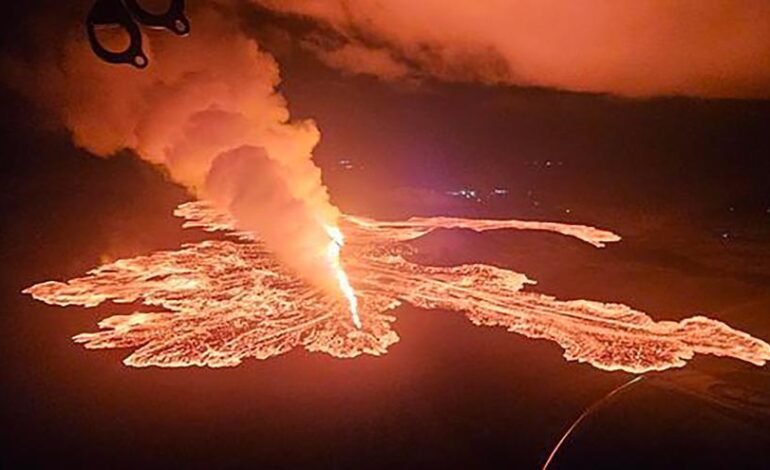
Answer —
173 19
126 14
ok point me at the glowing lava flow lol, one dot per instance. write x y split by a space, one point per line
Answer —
217 302
342 278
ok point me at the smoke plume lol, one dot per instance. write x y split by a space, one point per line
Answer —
207 111
711 48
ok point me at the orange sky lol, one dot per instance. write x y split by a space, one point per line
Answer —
713 48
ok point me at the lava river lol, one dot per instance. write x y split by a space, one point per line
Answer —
220 301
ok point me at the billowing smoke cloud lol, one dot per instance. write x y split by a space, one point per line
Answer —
712 48
208 112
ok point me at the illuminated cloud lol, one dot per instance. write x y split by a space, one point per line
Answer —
711 48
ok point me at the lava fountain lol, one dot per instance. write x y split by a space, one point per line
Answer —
217 302
335 247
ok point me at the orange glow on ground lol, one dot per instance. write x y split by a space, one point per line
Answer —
218 302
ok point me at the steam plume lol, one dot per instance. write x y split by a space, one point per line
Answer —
207 111
713 48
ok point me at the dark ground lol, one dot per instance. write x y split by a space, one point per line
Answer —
686 182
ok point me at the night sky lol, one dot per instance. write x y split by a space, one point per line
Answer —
684 179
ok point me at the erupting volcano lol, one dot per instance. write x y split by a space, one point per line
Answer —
474 234
208 111
217 302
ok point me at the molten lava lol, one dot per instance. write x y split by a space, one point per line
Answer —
335 246
217 302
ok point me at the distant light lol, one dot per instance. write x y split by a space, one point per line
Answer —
346 163
567 211
467 193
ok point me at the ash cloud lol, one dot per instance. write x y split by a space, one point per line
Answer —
207 111
706 48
